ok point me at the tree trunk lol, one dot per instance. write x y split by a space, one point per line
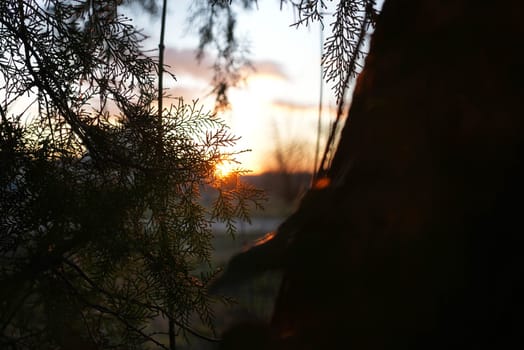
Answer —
417 242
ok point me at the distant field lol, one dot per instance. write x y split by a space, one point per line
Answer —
225 245
253 300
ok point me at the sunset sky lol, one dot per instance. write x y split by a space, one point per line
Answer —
278 104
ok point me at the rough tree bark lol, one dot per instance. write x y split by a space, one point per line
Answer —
417 241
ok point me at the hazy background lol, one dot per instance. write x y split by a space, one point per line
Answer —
275 111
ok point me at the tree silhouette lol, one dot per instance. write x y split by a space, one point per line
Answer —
90 253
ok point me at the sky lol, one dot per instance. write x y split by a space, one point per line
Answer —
277 106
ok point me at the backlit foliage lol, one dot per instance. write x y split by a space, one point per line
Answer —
102 221
216 21
344 47
343 50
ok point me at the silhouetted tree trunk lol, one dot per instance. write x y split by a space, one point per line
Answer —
417 241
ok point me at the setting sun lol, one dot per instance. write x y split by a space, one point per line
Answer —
224 169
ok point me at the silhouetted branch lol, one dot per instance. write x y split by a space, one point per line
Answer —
148 306
350 72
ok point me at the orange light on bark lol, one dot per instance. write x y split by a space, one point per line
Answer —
321 183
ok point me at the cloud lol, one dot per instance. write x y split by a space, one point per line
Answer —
184 62
301 107
270 68
188 93
294 106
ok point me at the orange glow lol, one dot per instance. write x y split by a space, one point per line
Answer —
224 169
321 183
267 237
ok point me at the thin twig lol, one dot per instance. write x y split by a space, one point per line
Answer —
151 307
340 108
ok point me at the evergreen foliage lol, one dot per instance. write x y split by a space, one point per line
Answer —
102 224
216 20
343 52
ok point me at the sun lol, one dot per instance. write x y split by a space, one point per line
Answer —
224 169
